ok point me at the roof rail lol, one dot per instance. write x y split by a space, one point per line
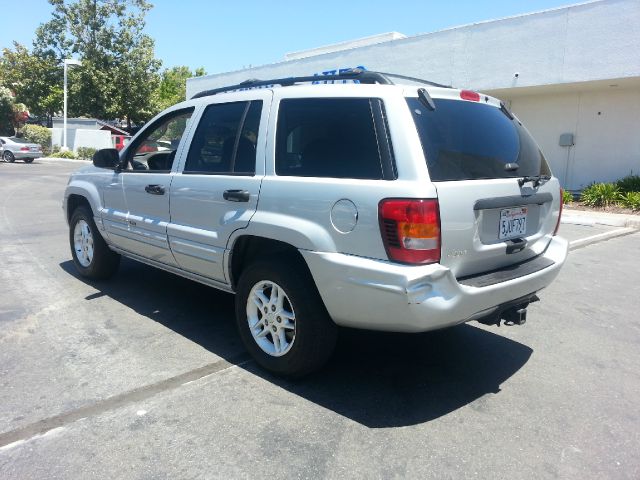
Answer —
359 74
363 76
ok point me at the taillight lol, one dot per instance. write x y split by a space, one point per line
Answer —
24 149
410 230
555 232
469 95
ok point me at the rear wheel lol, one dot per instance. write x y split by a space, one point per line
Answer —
28 160
8 157
282 320
91 255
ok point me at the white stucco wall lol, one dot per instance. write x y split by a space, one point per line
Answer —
77 138
590 41
605 124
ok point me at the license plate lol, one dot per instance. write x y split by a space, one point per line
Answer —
513 222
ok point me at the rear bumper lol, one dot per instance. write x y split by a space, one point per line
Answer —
378 295
21 155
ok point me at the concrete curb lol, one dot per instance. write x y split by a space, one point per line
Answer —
583 242
580 217
54 160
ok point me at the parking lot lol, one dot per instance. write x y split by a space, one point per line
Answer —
144 376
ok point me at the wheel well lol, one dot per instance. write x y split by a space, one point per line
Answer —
249 248
73 202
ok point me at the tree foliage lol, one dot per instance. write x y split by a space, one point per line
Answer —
119 70
173 85
35 80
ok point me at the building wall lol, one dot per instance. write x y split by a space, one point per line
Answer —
605 124
77 138
585 42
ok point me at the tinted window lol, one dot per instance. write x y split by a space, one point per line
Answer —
225 141
468 141
327 138
156 148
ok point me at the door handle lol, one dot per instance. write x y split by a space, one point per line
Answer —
154 189
236 195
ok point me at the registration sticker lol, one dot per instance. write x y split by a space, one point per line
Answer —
513 222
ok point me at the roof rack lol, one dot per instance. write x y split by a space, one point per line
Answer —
359 74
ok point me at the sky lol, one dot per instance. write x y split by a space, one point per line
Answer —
222 36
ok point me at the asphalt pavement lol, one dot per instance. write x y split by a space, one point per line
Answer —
144 376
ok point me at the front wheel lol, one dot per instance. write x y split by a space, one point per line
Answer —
91 255
282 320
8 157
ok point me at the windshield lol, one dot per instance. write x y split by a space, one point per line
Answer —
18 140
471 141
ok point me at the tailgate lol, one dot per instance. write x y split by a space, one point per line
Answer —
498 202
496 225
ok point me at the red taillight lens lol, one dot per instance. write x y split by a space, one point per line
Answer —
469 95
24 149
555 232
410 230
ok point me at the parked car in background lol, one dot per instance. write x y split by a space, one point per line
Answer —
14 148
119 141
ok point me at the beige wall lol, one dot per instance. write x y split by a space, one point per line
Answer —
606 128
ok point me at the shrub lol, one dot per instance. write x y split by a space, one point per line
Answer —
600 194
67 154
86 152
630 183
631 200
567 197
39 135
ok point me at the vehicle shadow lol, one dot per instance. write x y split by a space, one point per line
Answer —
376 379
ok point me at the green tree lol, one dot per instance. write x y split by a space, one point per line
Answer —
173 85
36 80
119 70
6 111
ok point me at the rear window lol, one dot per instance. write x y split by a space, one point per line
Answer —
471 141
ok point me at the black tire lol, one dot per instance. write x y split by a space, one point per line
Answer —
315 332
104 262
28 160
8 157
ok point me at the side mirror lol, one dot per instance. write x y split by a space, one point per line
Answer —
106 158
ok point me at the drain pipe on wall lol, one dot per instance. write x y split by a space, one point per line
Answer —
567 140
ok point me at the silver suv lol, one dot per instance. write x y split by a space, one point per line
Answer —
355 202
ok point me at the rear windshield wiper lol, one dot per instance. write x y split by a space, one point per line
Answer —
537 180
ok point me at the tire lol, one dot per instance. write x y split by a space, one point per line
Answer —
91 255
309 344
8 157
28 160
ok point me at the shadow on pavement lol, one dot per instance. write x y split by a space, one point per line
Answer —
376 379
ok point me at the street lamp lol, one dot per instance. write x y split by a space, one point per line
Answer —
67 61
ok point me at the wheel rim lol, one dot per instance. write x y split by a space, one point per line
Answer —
271 318
83 243
7 156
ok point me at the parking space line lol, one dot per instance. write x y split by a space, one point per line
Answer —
600 237
41 427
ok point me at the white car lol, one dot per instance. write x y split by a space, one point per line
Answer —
371 205
14 148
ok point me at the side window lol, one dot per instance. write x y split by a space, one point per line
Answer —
331 137
156 149
225 140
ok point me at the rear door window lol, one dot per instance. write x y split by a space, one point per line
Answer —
333 137
470 141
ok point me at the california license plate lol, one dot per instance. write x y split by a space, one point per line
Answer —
513 222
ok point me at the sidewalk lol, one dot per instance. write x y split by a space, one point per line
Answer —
582 217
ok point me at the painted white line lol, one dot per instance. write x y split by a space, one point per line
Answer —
581 242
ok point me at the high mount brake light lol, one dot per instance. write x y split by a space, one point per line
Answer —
410 230
469 95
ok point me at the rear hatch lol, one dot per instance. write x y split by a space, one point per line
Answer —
498 204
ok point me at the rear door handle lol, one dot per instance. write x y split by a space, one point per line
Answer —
236 195
154 189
